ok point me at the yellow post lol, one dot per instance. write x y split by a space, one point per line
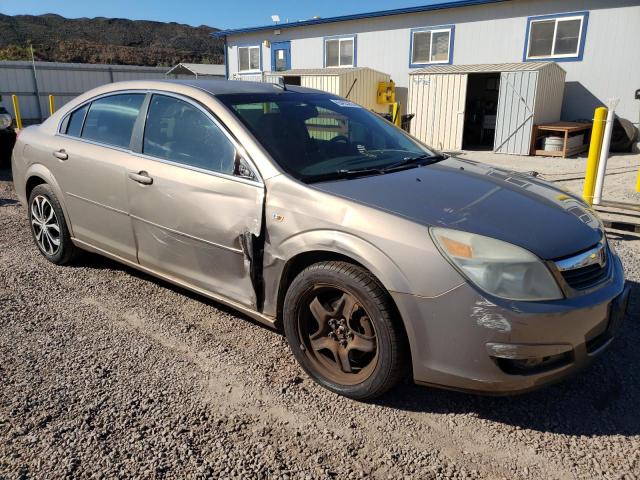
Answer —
16 111
638 182
595 146
52 105
395 113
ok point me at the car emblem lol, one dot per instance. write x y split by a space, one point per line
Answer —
596 255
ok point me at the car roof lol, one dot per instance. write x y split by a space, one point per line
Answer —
229 87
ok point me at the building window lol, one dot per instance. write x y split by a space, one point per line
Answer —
557 37
340 52
431 45
249 59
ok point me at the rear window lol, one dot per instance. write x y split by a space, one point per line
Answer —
76 119
110 119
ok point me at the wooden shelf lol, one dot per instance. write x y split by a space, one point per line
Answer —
566 129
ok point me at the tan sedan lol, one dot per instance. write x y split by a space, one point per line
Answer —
379 257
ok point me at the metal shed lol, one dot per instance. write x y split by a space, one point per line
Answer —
516 96
198 70
359 83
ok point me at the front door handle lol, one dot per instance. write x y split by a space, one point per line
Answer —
141 177
61 154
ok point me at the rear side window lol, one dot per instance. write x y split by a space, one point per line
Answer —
74 128
178 131
110 119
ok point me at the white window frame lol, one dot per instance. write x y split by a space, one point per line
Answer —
555 32
340 40
251 70
431 31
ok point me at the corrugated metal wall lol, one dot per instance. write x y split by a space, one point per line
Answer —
63 80
365 88
326 83
548 106
438 102
515 116
364 91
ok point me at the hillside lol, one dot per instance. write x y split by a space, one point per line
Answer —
106 40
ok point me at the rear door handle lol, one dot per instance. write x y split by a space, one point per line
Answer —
141 177
61 154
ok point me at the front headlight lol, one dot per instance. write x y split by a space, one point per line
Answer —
5 121
497 267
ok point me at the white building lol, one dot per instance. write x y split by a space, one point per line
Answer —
597 42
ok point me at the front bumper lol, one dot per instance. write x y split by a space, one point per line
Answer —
463 341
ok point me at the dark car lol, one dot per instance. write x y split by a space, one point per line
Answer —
7 137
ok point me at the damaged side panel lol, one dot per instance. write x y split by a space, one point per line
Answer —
202 229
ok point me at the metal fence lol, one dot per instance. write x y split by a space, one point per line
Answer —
62 80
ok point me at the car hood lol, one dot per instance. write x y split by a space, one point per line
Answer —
477 198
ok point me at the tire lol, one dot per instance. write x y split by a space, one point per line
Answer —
45 210
340 324
624 135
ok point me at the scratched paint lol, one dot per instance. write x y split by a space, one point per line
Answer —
485 314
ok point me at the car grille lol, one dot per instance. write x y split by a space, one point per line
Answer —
586 269
585 277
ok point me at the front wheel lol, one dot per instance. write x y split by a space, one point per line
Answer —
340 325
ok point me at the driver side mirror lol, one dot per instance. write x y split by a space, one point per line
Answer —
241 167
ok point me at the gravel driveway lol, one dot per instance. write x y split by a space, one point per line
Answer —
106 372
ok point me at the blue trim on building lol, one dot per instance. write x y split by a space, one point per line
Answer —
358 16
251 44
286 46
452 36
582 40
337 37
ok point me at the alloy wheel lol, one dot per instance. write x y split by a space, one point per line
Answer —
337 335
45 226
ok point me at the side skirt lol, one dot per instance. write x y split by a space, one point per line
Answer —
259 317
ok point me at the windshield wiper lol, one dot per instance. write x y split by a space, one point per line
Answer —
407 162
410 162
341 174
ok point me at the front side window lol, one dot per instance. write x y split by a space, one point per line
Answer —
180 132
431 45
560 37
339 52
110 120
249 59
316 137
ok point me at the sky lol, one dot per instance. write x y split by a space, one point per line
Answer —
228 14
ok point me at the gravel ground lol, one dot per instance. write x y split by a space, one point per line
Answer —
106 372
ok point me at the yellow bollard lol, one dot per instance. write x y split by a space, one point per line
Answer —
595 146
52 105
16 111
395 113
638 182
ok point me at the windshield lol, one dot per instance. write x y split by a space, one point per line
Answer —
318 137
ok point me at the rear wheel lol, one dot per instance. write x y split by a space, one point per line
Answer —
48 226
339 323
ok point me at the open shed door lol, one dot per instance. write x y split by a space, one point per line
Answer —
438 100
516 106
